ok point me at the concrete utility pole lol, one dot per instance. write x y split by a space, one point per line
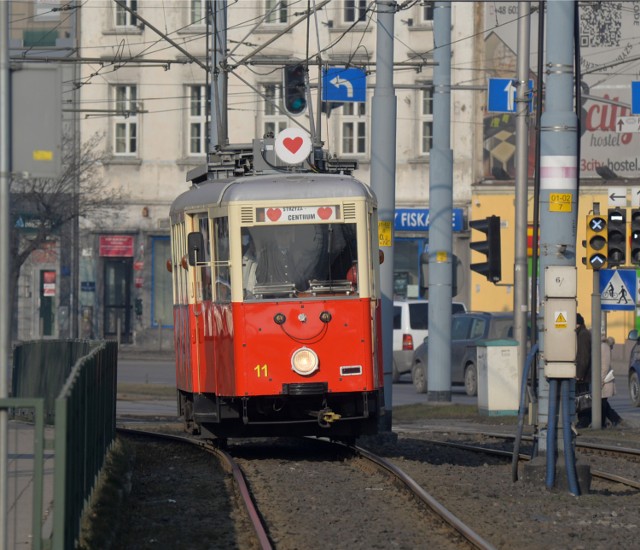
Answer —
219 132
522 185
440 213
4 264
383 182
558 178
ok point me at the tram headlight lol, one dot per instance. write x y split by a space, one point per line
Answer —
304 361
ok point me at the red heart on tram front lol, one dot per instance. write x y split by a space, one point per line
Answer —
324 212
292 144
274 214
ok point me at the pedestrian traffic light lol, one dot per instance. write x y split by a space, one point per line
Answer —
492 267
635 236
617 237
597 250
295 89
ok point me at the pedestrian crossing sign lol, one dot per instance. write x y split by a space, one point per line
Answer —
618 289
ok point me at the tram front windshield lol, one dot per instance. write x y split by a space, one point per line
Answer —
293 260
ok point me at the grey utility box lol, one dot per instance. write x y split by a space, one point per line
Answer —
498 384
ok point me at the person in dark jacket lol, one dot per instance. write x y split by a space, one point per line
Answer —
583 369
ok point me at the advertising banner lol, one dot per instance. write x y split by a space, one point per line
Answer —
609 53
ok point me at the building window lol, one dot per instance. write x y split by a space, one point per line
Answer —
198 12
426 121
355 10
273 120
276 12
198 126
426 12
126 120
125 18
354 129
161 291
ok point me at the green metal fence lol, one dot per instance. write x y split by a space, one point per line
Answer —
40 368
37 405
85 430
76 381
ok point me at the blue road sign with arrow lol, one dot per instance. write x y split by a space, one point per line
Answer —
502 95
340 84
635 97
618 289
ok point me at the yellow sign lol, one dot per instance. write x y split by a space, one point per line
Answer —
441 256
560 319
384 233
560 202
42 155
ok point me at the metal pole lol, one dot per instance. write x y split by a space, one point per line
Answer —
383 178
520 278
440 212
558 166
5 168
596 354
219 131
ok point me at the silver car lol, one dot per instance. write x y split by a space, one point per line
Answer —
410 328
467 329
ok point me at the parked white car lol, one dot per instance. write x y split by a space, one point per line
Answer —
410 328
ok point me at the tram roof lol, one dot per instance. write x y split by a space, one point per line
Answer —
270 187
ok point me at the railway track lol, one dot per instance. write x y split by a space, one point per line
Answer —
584 449
304 494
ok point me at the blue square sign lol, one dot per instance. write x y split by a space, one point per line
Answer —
502 95
340 84
635 97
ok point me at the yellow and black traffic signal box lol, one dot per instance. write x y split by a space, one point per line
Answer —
597 249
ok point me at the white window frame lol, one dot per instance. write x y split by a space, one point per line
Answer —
353 130
426 10
354 10
279 16
426 120
126 137
123 18
197 120
273 119
198 12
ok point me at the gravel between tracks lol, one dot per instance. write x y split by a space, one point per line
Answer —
170 504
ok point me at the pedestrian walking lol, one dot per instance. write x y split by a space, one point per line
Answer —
583 373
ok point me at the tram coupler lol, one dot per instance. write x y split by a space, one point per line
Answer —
326 417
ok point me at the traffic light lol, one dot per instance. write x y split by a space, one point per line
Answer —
635 236
492 268
617 237
295 89
596 242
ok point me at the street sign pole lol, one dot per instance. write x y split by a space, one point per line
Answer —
596 357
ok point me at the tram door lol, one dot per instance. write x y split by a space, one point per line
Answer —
117 298
47 302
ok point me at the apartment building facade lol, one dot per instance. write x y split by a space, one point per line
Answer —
136 76
150 97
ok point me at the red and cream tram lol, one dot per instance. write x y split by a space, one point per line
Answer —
276 306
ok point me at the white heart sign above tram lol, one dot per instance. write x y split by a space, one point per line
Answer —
293 145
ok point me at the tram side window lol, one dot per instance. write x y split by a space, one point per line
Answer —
205 270
221 260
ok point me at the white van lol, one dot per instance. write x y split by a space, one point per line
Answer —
410 328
